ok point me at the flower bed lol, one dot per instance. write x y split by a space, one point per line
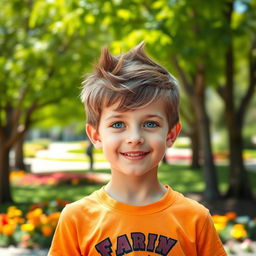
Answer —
33 228
232 229
58 178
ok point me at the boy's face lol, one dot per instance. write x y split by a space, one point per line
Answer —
134 142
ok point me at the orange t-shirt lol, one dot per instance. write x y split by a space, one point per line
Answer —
100 225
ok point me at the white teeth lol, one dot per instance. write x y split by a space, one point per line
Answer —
134 154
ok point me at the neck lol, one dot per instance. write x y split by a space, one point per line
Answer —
135 190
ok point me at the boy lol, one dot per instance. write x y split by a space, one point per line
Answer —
132 114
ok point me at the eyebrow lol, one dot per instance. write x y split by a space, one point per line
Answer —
115 116
122 116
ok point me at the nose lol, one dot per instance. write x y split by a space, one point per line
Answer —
135 137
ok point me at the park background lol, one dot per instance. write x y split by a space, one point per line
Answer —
46 48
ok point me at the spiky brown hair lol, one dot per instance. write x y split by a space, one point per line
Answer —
132 80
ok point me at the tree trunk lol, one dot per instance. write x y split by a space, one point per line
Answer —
5 190
196 91
19 154
195 146
191 131
238 181
210 174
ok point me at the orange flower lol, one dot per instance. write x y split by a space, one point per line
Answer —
34 216
8 229
44 219
51 181
231 215
17 174
47 230
53 218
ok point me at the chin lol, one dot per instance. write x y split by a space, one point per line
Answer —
135 173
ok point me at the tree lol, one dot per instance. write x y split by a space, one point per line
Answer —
42 64
235 112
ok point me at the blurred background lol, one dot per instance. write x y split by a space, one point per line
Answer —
46 48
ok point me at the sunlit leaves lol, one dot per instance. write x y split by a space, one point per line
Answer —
124 14
159 4
164 13
89 19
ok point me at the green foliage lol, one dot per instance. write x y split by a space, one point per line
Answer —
44 55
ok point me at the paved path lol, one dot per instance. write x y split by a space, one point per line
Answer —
13 251
44 166
43 162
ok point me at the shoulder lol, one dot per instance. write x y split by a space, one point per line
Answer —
189 213
189 207
81 208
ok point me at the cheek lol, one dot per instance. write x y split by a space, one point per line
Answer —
159 144
158 139
110 141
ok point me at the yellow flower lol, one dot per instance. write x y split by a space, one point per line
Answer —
238 231
34 213
8 229
29 227
220 219
13 211
11 208
219 226
37 211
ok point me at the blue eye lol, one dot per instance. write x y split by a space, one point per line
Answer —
118 125
151 124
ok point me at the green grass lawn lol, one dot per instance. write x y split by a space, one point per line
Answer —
179 177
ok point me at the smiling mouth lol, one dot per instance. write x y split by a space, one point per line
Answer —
135 155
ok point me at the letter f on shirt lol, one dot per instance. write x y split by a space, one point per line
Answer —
104 247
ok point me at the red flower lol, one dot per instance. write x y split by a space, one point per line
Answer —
3 219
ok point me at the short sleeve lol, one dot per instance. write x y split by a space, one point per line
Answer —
208 241
65 242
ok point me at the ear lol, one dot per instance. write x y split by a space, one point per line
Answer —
94 136
173 133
